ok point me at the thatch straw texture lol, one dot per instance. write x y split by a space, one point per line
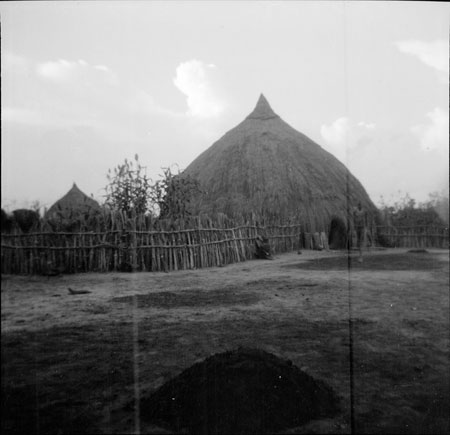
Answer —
74 202
265 166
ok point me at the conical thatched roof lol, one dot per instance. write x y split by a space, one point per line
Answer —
265 166
73 203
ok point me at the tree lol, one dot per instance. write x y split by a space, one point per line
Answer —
129 188
406 212
26 219
7 222
439 202
37 207
173 193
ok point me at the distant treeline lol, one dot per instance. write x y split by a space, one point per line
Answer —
407 212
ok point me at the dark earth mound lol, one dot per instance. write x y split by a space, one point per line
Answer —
399 261
239 392
191 298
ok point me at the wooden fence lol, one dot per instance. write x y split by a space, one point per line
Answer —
136 250
138 244
414 236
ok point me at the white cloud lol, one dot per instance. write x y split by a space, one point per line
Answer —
193 79
141 103
369 126
435 134
343 136
14 63
21 115
433 54
101 68
62 94
336 137
64 71
336 133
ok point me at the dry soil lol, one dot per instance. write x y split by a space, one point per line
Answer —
377 332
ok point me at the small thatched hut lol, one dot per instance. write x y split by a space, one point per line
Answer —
265 166
73 205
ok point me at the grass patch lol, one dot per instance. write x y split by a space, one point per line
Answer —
191 298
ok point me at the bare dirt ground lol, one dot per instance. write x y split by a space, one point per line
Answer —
81 363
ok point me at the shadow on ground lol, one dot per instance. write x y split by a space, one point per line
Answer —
408 261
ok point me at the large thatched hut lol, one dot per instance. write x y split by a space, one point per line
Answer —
266 167
73 205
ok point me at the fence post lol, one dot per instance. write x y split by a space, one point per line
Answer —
133 243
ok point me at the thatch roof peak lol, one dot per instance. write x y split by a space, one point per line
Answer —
72 202
262 110
75 189
263 165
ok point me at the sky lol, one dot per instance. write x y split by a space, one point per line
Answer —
87 84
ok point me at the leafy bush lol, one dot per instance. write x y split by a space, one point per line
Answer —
130 191
173 193
406 212
26 219
129 188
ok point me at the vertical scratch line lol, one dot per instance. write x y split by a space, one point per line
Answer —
350 349
137 404
350 323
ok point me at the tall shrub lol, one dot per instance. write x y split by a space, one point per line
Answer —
128 188
173 193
